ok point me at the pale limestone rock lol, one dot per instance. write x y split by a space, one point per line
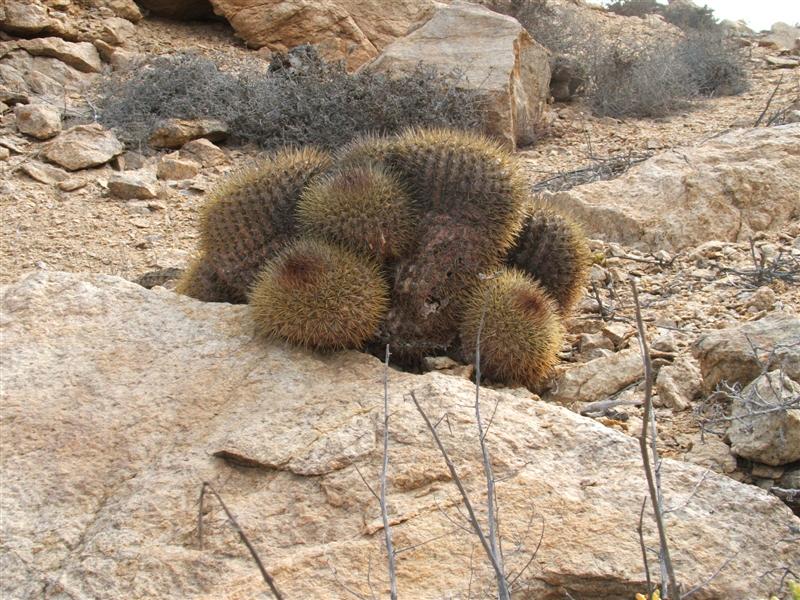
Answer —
4 153
710 452
129 161
43 173
124 400
724 189
762 299
126 9
497 57
82 56
598 379
174 133
71 184
172 167
83 146
761 433
742 353
45 76
351 30
24 17
124 60
38 120
782 62
594 341
133 185
203 151
116 30
679 383
665 342
618 333
13 87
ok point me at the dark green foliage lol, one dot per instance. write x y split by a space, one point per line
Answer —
552 249
364 208
299 100
250 216
521 333
200 281
320 296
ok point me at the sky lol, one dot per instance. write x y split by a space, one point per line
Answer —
759 14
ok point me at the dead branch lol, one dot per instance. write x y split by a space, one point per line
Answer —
387 530
769 101
602 168
652 473
473 519
710 578
242 536
640 531
491 510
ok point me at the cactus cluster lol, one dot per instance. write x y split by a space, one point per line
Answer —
418 240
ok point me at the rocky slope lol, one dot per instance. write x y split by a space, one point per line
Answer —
170 392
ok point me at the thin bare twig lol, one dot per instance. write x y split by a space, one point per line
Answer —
242 536
668 582
711 577
491 511
640 531
530 560
366 483
387 530
473 519
769 101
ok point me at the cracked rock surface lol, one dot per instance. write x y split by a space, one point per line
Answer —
105 446
726 188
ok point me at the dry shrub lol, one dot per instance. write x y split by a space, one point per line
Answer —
629 78
299 100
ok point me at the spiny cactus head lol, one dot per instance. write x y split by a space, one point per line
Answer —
200 281
366 150
521 333
364 208
464 175
320 296
249 217
552 249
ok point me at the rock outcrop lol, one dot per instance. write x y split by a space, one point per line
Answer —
493 53
118 402
738 355
764 428
724 189
83 146
351 30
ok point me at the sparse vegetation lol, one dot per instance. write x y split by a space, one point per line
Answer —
683 15
626 77
299 100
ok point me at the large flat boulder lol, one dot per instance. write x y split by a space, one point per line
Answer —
117 402
724 189
351 30
493 53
